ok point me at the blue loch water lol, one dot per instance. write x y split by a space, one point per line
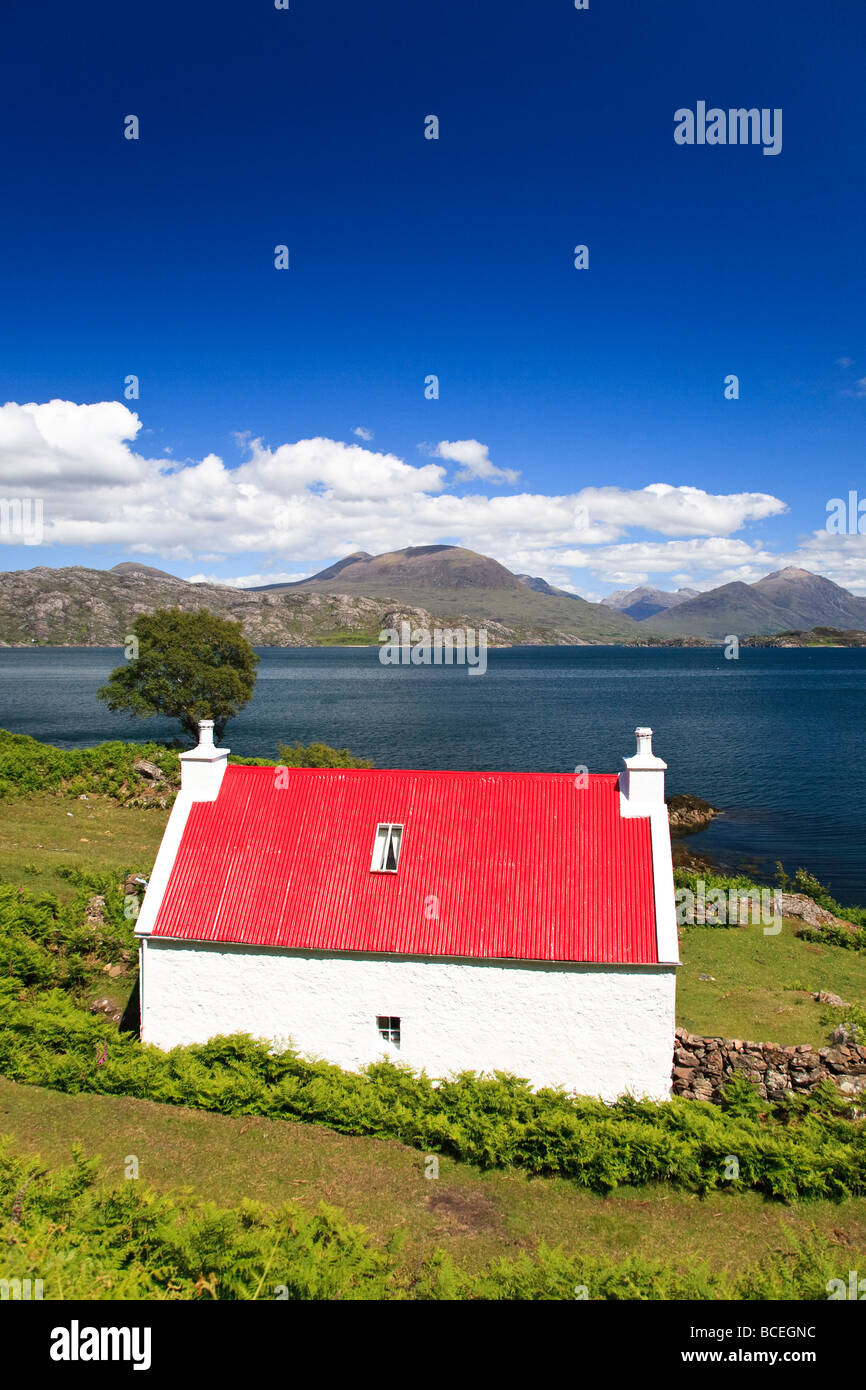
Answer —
775 738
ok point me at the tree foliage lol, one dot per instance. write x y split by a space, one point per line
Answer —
318 755
190 666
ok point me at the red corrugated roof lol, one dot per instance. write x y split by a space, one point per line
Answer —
521 865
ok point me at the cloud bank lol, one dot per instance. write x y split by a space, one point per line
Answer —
314 500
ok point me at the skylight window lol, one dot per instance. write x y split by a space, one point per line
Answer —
386 849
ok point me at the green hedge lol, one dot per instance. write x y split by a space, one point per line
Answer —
86 1242
798 1148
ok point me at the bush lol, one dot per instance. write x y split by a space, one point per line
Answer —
318 755
108 769
87 1242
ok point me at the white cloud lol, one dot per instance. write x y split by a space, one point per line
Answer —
245 581
312 501
475 458
363 433
66 445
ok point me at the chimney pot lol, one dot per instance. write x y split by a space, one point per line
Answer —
642 780
202 767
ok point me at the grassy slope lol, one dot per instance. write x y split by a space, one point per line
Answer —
474 1216
98 835
763 985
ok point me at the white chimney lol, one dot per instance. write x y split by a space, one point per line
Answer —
642 781
202 767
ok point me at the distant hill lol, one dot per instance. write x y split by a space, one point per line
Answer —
541 586
645 601
133 567
77 606
451 580
96 608
330 573
788 600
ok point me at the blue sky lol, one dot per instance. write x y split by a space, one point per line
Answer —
563 394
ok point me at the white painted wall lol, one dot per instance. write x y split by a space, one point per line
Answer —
597 1030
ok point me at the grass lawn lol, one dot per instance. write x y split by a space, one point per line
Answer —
40 833
474 1216
763 985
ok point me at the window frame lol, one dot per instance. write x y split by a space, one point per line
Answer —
387 1025
387 843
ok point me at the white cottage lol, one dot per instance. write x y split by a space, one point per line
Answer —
513 921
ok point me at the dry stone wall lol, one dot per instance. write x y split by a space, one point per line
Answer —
702 1066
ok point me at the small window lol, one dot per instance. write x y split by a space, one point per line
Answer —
386 849
389 1028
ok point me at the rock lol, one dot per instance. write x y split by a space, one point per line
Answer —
689 813
94 913
148 769
712 978
84 797
798 905
702 1065
776 1081
825 997
842 1033
114 971
836 1057
683 1074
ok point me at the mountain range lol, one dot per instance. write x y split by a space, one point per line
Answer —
452 578
349 603
431 586
645 602
784 601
